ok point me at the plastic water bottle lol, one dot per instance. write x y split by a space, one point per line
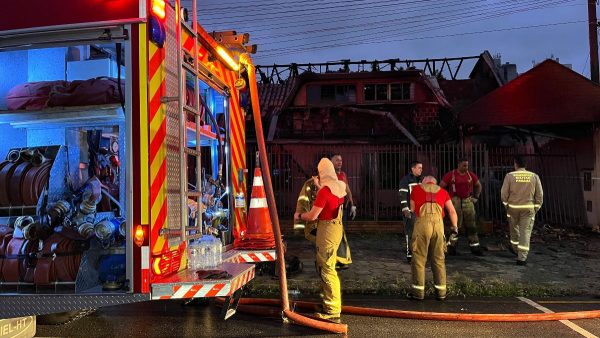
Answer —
202 254
218 252
192 255
206 251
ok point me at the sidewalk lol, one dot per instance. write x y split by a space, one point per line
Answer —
560 263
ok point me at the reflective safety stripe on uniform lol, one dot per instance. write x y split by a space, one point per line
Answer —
405 190
521 224
473 244
523 206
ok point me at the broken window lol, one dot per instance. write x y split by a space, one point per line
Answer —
344 93
376 92
400 91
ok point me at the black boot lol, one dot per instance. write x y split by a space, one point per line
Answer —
476 250
452 250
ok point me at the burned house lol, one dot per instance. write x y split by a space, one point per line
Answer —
382 105
550 114
379 115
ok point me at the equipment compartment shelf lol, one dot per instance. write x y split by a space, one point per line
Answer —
79 115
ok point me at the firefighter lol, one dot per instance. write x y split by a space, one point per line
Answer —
328 209
336 159
428 201
406 185
464 188
522 195
344 251
305 201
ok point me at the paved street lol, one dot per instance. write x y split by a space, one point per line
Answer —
171 319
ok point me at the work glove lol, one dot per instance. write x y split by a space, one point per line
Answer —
452 239
407 213
352 212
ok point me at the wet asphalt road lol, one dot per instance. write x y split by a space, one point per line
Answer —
172 319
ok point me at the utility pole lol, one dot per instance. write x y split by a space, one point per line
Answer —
593 29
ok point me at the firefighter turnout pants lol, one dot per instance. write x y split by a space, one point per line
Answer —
329 237
465 209
521 223
409 225
428 240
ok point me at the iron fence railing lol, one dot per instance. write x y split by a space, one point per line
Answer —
374 173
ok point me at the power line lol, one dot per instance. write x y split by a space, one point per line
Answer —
476 17
376 23
291 50
303 22
417 19
299 12
237 5
257 6
432 37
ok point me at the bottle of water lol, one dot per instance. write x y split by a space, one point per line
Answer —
202 254
219 252
191 256
207 252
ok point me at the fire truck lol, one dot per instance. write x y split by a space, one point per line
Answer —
122 144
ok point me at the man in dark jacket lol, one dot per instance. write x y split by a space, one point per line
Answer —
406 185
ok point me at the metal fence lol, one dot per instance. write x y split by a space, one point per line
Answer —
374 174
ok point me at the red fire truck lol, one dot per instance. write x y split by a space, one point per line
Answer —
122 144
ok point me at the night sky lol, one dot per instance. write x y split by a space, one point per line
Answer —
305 31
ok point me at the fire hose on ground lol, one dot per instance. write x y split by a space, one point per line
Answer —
263 306
260 306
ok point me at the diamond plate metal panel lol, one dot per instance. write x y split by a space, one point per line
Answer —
28 305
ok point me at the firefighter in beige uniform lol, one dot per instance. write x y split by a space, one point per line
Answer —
428 201
522 196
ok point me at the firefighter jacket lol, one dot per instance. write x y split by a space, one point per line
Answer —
406 185
522 189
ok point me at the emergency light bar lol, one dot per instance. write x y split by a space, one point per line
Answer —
158 14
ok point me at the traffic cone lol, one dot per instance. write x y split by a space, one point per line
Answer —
259 230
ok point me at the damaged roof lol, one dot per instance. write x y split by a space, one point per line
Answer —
549 93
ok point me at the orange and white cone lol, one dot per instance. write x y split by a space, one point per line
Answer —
259 229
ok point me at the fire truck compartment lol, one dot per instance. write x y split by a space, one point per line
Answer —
63 168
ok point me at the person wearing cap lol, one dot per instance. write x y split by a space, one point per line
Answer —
522 195
464 188
328 210
428 201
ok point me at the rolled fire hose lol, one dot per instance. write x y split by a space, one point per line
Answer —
246 60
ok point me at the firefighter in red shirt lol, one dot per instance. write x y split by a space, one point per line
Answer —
428 201
464 188
328 209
